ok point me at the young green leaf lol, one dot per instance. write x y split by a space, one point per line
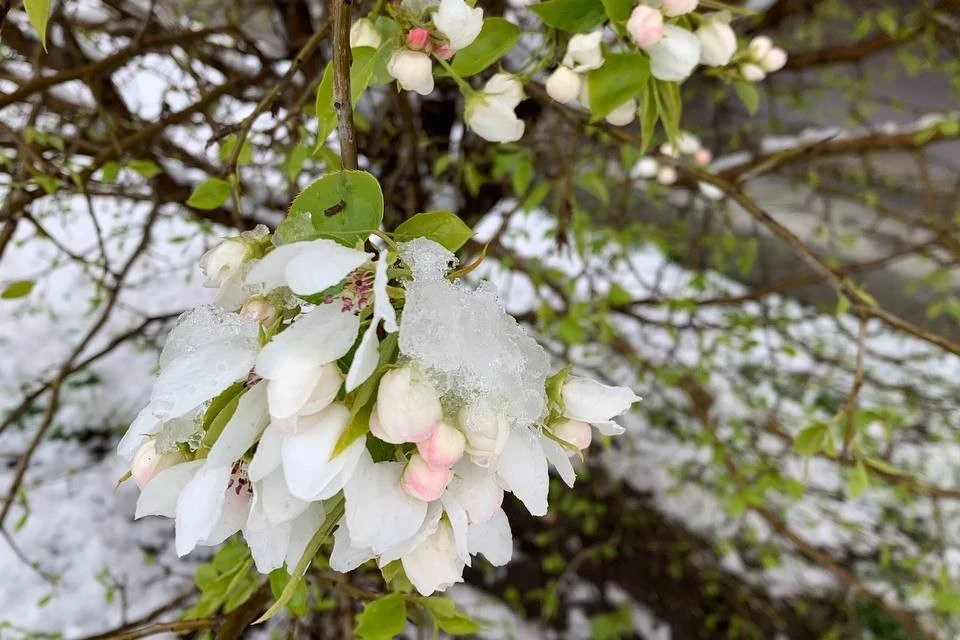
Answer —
442 227
17 289
748 95
618 10
812 440
496 38
858 481
573 16
38 12
622 76
344 206
383 618
209 194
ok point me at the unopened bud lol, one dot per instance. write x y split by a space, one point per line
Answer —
260 311
775 60
666 175
444 448
752 72
564 84
645 25
418 39
148 463
424 482
408 409
574 432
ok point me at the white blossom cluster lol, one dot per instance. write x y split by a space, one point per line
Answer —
330 376
673 50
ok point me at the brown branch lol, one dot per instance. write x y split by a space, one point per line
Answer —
342 101
156 628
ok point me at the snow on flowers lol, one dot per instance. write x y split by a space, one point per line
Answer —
335 380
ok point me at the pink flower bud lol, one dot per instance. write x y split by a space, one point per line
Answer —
148 463
703 157
444 448
575 432
645 25
422 481
260 311
444 52
408 408
418 39
678 7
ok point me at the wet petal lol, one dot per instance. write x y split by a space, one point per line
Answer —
522 468
241 431
159 497
493 539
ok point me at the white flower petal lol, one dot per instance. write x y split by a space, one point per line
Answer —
241 431
269 547
312 340
674 57
379 512
477 490
267 456
434 565
557 456
143 425
458 522
430 524
302 531
236 510
196 377
522 468
365 358
609 428
322 266
493 539
590 401
306 455
159 497
459 22
382 307
341 468
278 504
199 507
346 557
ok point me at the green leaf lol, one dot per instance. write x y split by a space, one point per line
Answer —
622 76
618 10
298 604
109 172
449 619
383 618
573 16
227 146
17 289
496 38
357 427
442 227
209 194
344 205
361 73
649 115
146 168
225 406
38 12
670 107
812 440
618 296
885 467
295 161
387 29
858 481
748 95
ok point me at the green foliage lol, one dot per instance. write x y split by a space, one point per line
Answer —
612 625
345 206
383 618
17 289
573 16
245 156
497 37
618 10
209 194
218 414
813 439
298 604
442 227
749 96
622 76
226 582
448 618
38 12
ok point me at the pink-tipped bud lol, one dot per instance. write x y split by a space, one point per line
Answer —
645 25
444 448
422 481
703 157
260 311
418 39
148 463
575 432
444 52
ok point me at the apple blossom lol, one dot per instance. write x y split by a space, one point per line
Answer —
718 43
147 462
564 84
486 431
644 168
590 401
490 113
759 47
623 114
675 8
412 69
666 175
260 311
752 72
687 143
223 261
584 52
408 409
306 267
434 564
424 482
669 150
367 354
460 23
364 33
645 25
444 447
775 60
673 57
418 39
575 432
